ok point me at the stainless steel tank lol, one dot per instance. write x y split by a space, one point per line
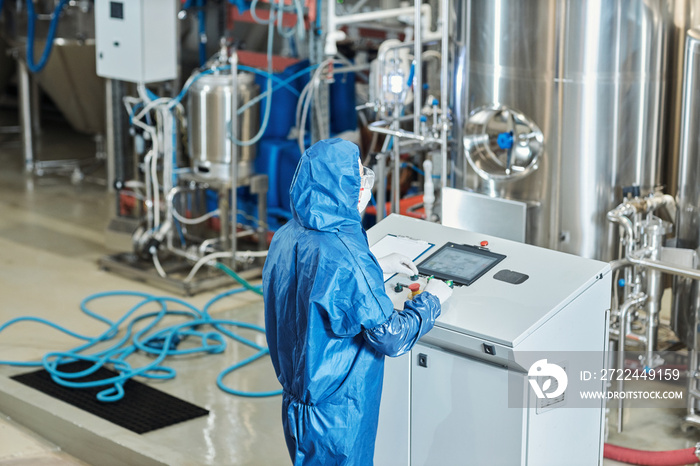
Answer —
686 299
686 15
591 74
209 114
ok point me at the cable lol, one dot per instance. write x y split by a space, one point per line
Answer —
253 7
200 333
187 221
307 96
268 101
279 81
208 258
202 30
31 25
416 169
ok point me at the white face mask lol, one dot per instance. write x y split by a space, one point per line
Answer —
365 196
366 183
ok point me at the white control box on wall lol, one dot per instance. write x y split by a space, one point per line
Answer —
136 39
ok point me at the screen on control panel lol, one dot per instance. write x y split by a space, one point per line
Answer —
460 263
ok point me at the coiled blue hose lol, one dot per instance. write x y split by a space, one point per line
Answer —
202 334
31 25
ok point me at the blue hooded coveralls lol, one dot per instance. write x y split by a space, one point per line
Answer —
328 320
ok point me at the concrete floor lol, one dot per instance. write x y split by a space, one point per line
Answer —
51 235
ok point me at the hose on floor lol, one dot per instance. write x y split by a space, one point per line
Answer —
142 329
652 458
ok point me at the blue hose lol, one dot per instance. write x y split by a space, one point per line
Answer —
268 102
31 25
200 333
202 20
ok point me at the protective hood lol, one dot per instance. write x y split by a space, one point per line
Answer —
326 186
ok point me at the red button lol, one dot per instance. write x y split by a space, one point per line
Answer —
414 287
483 244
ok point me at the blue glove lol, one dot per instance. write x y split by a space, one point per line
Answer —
402 329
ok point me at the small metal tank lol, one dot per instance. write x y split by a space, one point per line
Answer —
209 114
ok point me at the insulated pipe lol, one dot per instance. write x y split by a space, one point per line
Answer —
633 301
652 458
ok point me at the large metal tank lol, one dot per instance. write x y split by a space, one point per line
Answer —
686 15
70 77
686 298
591 74
209 116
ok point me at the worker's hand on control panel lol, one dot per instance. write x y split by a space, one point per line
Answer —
397 263
440 289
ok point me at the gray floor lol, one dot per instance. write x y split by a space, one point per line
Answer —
51 236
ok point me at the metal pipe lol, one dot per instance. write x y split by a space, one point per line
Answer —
110 142
25 105
400 133
225 236
665 267
380 170
36 107
371 16
444 73
653 238
619 215
692 378
418 66
367 16
619 264
396 177
634 300
233 60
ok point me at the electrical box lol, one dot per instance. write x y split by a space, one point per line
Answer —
136 39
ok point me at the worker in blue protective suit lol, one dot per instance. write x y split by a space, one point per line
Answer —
329 322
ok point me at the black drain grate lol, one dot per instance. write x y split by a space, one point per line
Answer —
141 410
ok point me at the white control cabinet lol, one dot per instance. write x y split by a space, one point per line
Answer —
450 401
136 40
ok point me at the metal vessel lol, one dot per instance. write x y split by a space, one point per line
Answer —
685 15
686 299
69 77
209 116
591 74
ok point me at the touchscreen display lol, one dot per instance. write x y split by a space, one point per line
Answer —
460 263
